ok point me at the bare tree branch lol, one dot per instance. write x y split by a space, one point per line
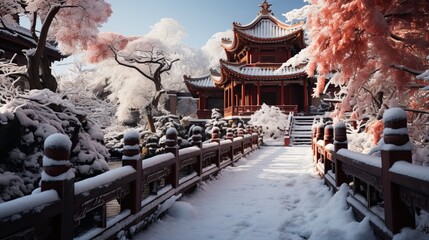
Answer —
407 69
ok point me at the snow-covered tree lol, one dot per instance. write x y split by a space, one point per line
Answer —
129 87
152 63
88 96
73 24
360 42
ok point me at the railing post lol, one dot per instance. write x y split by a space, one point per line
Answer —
240 133
230 136
340 142
215 138
197 141
328 138
171 147
313 139
397 147
58 175
131 157
319 136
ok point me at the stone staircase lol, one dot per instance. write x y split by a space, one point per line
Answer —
300 133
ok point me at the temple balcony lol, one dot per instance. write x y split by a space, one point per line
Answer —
249 110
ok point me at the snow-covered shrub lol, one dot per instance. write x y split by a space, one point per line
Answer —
215 121
272 121
26 120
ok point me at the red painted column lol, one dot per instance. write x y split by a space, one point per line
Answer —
282 93
224 99
258 95
243 93
232 98
305 96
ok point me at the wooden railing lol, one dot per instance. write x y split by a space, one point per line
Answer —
65 209
388 189
249 110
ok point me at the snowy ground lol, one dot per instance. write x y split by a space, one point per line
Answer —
273 193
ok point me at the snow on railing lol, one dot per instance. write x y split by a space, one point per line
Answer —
389 178
140 186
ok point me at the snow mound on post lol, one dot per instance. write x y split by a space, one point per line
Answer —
340 125
131 134
58 141
394 114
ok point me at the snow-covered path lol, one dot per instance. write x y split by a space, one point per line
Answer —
273 193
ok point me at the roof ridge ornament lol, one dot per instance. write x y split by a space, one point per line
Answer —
265 8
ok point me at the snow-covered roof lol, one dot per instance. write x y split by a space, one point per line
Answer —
205 81
22 36
267 28
263 70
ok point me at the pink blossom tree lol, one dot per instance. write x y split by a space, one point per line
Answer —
368 45
73 24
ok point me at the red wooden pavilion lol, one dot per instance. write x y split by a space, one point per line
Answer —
251 74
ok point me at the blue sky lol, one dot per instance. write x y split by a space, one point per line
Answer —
200 18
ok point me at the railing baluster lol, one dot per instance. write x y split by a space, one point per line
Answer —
397 214
172 147
340 142
131 156
58 175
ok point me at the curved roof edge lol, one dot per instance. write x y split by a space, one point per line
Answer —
262 72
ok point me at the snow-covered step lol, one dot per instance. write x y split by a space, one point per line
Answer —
301 130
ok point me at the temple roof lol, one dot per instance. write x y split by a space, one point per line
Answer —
263 72
265 28
203 84
200 82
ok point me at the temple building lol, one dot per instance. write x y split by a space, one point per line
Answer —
251 74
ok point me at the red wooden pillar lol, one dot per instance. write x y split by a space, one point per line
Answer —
258 94
340 141
57 175
305 96
243 93
282 93
230 136
196 140
216 138
232 98
200 103
172 147
328 138
225 98
396 214
319 136
131 157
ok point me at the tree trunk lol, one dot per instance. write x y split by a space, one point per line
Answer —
48 79
150 120
33 72
34 59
